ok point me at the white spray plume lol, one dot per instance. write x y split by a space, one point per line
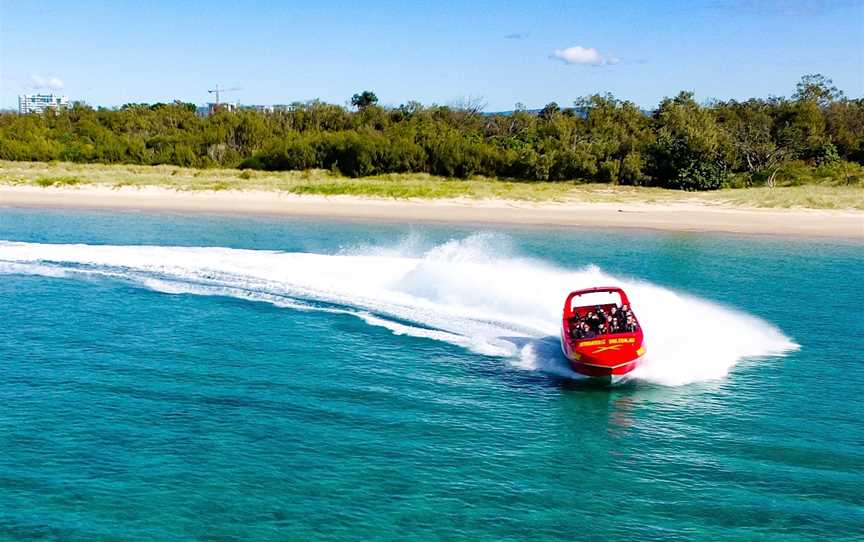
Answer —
463 292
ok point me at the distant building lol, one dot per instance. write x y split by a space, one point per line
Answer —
37 103
211 108
275 108
225 106
258 108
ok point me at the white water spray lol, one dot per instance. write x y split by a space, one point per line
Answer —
462 292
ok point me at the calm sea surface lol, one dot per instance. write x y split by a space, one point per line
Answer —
166 377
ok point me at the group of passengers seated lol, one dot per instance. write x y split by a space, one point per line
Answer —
598 322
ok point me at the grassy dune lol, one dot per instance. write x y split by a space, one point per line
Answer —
829 193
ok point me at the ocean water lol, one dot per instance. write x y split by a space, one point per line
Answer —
221 378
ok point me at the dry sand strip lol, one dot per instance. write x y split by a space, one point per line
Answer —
664 216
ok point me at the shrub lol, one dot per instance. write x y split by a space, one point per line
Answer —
700 175
58 181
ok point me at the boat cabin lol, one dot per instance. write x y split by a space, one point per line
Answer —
596 313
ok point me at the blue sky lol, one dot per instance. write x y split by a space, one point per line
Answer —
532 52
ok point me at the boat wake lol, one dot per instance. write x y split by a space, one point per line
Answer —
462 292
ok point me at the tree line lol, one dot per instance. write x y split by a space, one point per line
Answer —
681 144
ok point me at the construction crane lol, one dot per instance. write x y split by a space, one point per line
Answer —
217 90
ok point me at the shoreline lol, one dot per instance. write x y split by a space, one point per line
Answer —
669 216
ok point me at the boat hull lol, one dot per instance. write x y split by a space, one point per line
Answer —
605 359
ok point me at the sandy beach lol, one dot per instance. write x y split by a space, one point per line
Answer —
691 217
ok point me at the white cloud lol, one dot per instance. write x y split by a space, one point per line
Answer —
41 82
585 56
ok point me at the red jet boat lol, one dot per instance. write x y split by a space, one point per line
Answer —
603 341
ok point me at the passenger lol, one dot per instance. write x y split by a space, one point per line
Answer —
602 321
590 318
628 312
624 314
614 320
573 326
586 331
576 328
597 322
601 313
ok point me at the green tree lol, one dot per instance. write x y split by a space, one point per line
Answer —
749 128
800 127
817 88
690 150
549 111
364 99
617 134
845 126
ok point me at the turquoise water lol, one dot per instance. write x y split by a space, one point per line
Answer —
166 377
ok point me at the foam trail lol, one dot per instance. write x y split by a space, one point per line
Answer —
462 292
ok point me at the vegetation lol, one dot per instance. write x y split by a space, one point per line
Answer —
364 99
816 134
822 187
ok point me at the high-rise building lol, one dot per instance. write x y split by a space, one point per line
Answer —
36 103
